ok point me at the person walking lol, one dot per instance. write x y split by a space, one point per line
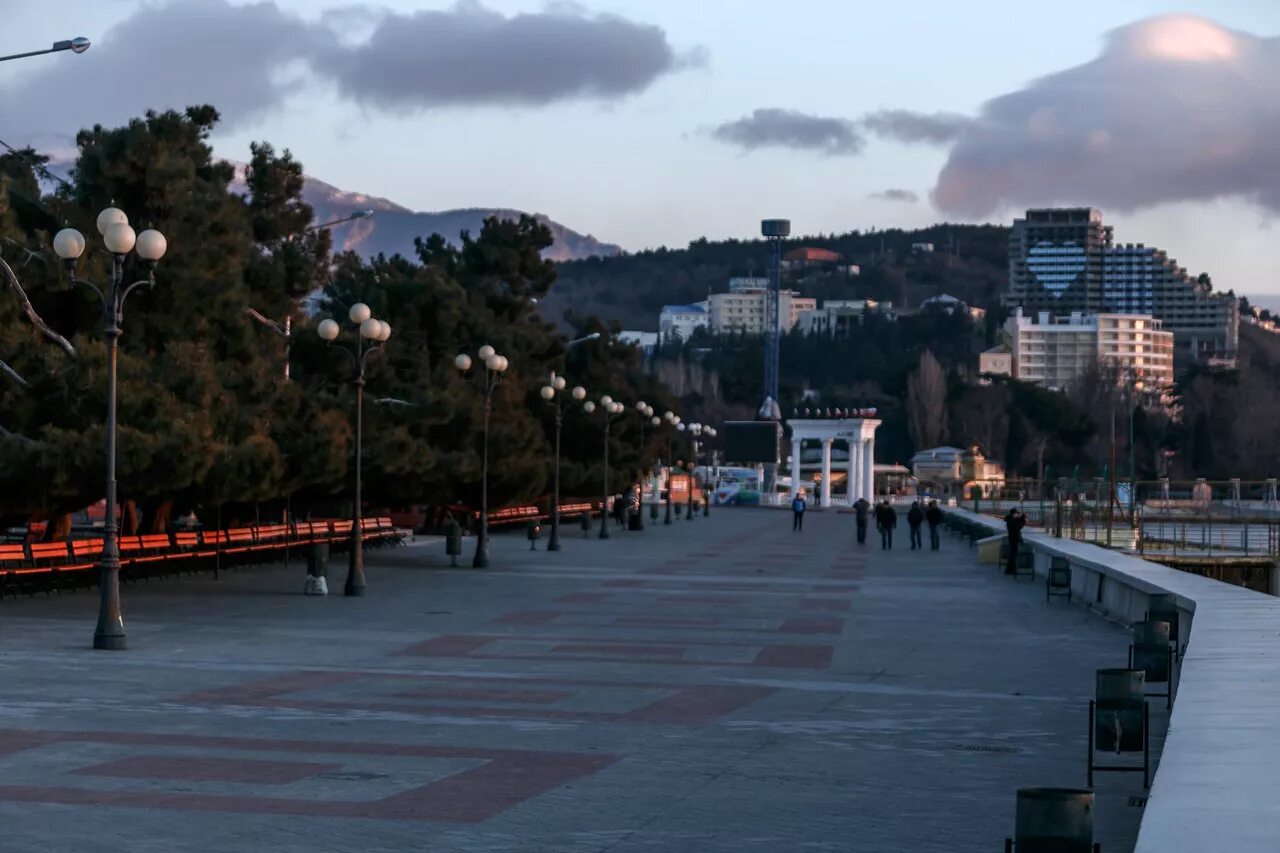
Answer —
888 522
860 507
933 515
798 507
915 518
1013 524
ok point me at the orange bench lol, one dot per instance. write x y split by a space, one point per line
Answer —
513 515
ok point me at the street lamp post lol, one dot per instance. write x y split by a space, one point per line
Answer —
706 504
550 394
695 431
494 366
376 332
610 408
150 247
79 44
654 421
646 412
673 421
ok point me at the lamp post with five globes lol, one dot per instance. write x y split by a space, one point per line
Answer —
549 393
150 247
610 408
494 366
376 332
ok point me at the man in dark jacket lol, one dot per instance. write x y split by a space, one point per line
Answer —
1013 523
933 515
860 509
915 518
887 520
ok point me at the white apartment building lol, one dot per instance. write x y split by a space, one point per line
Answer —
838 317
1058 353
679 322
743 311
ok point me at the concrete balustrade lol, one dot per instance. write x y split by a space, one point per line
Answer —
1218 784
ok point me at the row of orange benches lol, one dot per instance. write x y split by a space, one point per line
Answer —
517 514
35 566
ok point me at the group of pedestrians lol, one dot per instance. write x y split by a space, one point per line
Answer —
886 518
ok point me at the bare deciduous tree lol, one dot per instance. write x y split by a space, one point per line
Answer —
927 402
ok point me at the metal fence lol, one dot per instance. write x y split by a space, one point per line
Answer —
1201 518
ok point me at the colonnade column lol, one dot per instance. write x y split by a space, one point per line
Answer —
826 471
869 468
795 467
851 478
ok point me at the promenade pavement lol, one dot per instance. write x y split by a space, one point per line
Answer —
722 684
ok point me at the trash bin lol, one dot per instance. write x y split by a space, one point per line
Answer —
1163 607
318 559
1054 820
453 542
1118 720
317 567
1151 651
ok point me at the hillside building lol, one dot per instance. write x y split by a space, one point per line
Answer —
644 341
955 472
1064 261
743 311
1059 353
837 318
997 361
679 322
809 257
948 304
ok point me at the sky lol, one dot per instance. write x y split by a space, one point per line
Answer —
655 122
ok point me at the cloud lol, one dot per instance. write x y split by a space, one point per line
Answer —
470 54
200 51
247 59
906 196
778 128
909 126
1175 108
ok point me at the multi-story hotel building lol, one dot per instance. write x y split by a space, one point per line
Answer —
1063 260
1060 352
742 311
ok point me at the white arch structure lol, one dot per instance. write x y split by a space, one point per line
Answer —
860 433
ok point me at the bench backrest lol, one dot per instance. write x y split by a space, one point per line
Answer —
49 551
82 549
14 553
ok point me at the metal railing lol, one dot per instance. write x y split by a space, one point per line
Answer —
1201 518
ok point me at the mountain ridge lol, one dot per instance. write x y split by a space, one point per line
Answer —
393 226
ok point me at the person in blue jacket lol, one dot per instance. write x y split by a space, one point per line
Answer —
798 506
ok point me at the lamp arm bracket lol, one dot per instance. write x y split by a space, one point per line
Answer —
22 439
270 324
14 375
16 287
149 281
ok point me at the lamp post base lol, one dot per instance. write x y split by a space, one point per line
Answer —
109 642
554 543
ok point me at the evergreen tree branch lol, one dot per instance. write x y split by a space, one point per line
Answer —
13 374
27 309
